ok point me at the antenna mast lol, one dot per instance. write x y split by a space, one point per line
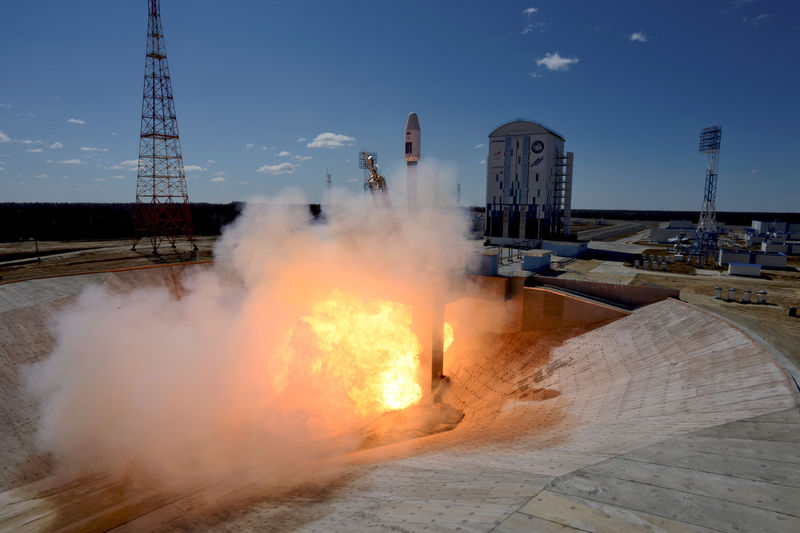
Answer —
162 201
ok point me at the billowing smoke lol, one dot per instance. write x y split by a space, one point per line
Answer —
267 359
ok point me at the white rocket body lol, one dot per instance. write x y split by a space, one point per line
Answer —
412 149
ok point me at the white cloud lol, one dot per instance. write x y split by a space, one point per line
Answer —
34 150
483 161
194 168
99 180
40 176
302 140
282 168
76 121
4 138
331 140
758 19
739 3
49 161
529 11
555 62
220 173
210 161
93 149
535 75
118 177
639 36
28 141
302 157
284 153
353 180
7 106
249 146
479 145
55 146
130 164
70 162
218 179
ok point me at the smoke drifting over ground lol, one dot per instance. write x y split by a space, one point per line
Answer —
266 360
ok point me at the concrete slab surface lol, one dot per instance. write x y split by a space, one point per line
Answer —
650 422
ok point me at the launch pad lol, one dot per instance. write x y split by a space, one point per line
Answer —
668 417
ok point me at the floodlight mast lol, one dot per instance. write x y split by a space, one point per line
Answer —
705 243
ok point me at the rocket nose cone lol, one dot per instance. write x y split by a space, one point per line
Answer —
413 122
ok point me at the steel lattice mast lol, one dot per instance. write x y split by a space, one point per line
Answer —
162 202
705 243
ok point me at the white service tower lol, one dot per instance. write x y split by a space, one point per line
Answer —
412 157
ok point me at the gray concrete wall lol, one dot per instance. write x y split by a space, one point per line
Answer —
628 295
546 309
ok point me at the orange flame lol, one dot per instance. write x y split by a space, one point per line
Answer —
449 337
369 348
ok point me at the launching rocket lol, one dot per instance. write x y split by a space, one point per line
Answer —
412 139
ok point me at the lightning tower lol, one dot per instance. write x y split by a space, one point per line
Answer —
705 242
162 209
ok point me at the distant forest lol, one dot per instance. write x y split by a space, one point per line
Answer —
63 221
732 218
68 222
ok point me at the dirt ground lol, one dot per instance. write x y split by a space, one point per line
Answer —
768 321
18 260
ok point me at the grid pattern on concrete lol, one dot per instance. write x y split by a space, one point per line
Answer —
535 409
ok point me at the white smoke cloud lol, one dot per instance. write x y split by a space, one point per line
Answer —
180 387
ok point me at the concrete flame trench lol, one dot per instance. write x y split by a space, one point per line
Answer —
665 418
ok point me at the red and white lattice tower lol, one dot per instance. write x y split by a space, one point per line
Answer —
162 210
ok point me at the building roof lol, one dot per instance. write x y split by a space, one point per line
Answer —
522 126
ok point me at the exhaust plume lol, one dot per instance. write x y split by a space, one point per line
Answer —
299 333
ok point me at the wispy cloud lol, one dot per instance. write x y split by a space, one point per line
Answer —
55 146
535 75
302 140
219 173
529 11
70 162
740 3
93 149
754 171
40 176
534 26
34 150
130 164
284 153
282 168
483 161
217 179
302 157
194 168
100 180
76 121
4 138
248 146
331 140
118 177
555 62
758 20
639 36
479 145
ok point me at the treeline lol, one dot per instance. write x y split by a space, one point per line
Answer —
65 222
732 218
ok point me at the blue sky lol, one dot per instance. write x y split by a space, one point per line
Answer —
628 83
